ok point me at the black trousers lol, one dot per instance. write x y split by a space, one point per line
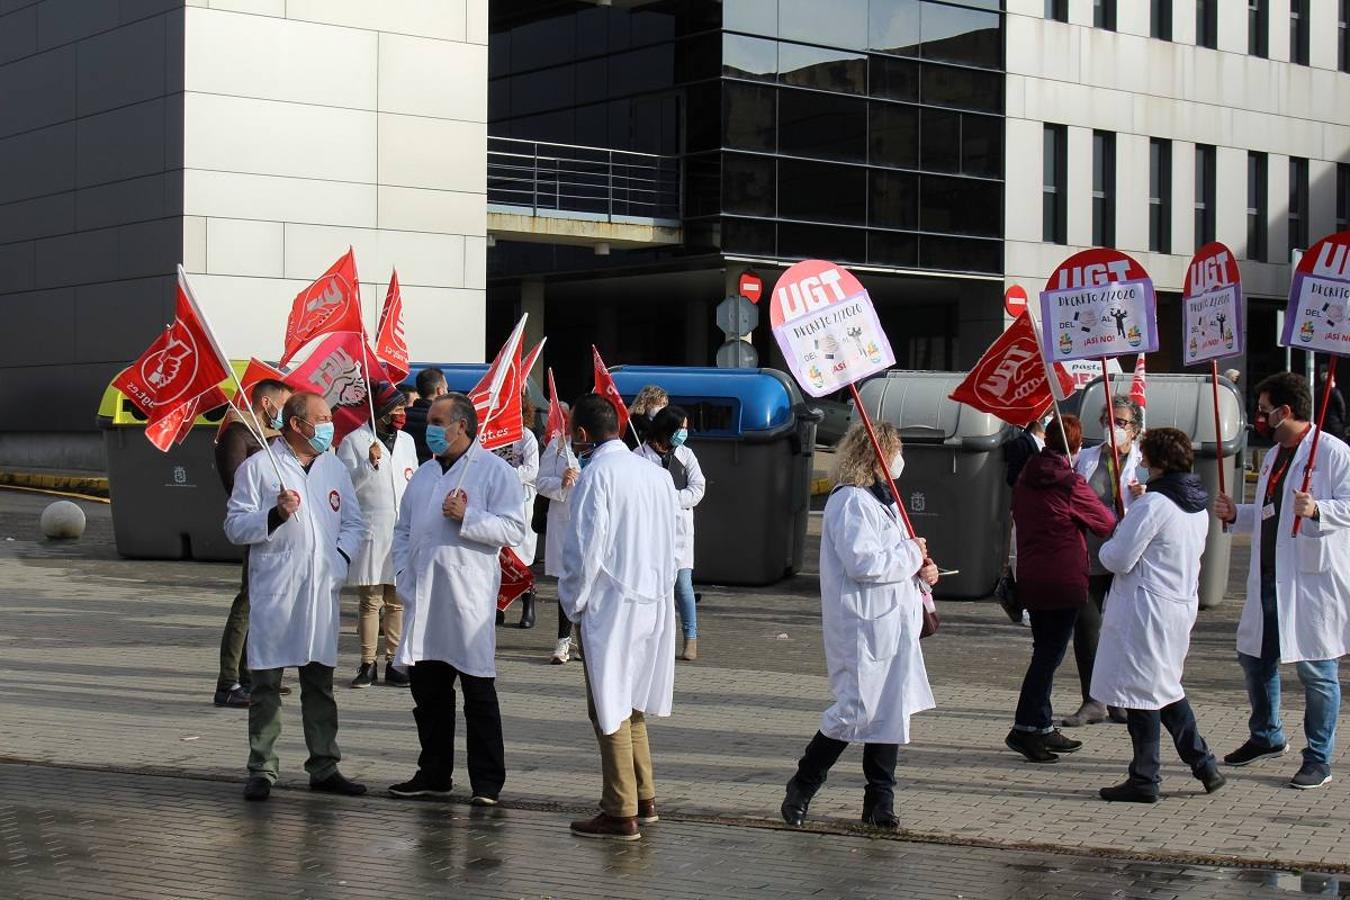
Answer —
1146 732
1051 630
433 691
564 623
1087 631
878 767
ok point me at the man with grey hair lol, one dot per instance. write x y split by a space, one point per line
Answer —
460 509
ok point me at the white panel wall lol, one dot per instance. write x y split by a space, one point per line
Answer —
312 125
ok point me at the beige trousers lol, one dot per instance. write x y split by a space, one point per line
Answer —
375 597
625 762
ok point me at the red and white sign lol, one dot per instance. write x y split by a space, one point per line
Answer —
750 286
336 372
496 397
827 328
330 305
1098 303
391 348
1010 380
1212 309
516 578
605 387
1318 315
1015 300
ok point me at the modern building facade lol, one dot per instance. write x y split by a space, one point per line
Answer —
251 140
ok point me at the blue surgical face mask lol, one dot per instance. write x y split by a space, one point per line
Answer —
583 454
323 436
679 437
277 421
437 440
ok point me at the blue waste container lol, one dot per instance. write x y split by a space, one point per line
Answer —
755 440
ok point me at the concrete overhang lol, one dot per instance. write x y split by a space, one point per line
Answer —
578 229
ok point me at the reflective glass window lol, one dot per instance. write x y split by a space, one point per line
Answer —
960 206
894 27
748 57
827 70
959 255
940 142
820 192
889 248
748 236
747 185
822 242
962 88
752 16
893 199
894 136
894 79
748 116
982 145
834 23
822 125
956 34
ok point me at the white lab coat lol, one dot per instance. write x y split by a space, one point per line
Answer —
872 612
1146 625
448 573
295 573
523 456
557 458
1131 467
379 491
1312 571
618 583
688 499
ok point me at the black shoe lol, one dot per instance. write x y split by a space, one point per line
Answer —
365 676
1030 745
257 788
1251 751
501 617
795 805
1056 742
421 786
394 678
1129 792
1212 779
527 610
337 783
235 697
880 813
1311 775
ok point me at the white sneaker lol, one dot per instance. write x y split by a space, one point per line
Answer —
560 651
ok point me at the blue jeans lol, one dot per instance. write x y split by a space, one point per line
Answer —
684 603
1321 688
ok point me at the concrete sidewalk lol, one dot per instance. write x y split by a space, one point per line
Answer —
111 664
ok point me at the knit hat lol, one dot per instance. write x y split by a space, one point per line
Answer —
387 398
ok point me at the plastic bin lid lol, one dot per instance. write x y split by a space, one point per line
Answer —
764 397
918 403
1180 400
116 411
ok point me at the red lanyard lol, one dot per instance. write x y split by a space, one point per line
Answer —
1275 477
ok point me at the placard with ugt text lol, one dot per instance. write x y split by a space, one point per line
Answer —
827 328
1211 300
1098 303
1319 298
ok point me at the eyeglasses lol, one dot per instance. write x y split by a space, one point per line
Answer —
1120 423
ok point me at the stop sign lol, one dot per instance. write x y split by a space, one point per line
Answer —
1015 300
751 286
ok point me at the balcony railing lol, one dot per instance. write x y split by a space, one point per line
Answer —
582 182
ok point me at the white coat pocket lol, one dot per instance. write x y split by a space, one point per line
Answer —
881 636
1312 553
271 572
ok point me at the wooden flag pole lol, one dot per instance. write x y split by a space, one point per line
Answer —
1111 432
1218 423
1051 381
881 458
1317 436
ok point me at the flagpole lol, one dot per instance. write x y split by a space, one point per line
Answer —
495 388
1218 430
1051 381
1111 432
234 376
1317 435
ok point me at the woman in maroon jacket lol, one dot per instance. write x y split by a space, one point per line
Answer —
1052 507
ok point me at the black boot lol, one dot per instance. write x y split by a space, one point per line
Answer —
796 803
812 768
527 610
501 617
878 801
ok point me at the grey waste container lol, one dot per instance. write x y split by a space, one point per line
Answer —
164 505
953 484
754 439
1185 401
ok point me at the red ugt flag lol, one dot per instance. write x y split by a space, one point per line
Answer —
336 371
496 398
177 425
242 401
1139 386
390 345
557 419
604 386
330 305
1010 381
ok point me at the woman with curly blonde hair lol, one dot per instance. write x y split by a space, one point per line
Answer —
648 402
871 575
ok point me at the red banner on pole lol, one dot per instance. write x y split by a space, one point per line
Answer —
335 371
496 397
1009 380
557 419
331 305
391 348
605 387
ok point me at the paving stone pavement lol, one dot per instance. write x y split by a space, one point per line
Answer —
110 665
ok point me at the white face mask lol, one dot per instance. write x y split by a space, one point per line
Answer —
1122 435
897 465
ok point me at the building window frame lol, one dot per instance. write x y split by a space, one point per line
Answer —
1298 32
1057 10
1160 20
1342 197
1298 203
1258 205
1103 188
1054 184
1258 28
1343 37
1104 14
1160 195
1207 24
1206 157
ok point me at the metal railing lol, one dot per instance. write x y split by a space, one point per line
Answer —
582 182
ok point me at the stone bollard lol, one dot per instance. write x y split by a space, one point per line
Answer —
63 520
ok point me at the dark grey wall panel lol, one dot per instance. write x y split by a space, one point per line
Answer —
18 34
121 67
37 90
81 258
63 21
124 143
38 330
37 163
116 321
54 397
16 267
37 218
122 202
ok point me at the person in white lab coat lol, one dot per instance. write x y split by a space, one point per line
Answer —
558 474
460 509
665 446
1096 465
301 537
1155 555
523 456
872 577
381 461
1298 588
617 585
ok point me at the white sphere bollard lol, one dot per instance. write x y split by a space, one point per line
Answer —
63 520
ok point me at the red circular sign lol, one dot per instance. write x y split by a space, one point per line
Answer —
172 369
335 500
407 474
1015 300
751 286
808 286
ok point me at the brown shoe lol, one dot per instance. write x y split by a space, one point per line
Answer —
690 652
647 812
607 827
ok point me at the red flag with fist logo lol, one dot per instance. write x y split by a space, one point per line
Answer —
337 371
330 305
1010 380
605 387
390 345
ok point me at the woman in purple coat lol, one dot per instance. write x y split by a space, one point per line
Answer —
1053 507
